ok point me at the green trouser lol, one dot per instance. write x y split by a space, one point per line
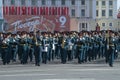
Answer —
4 55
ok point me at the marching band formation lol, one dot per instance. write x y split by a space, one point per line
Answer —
45 46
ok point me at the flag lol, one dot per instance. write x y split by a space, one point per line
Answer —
23 10
3 10
9 10
67 11
35 10
28 10
38 11
55 10
6 10
50 10
62 10
18 10
46 10
41 10
59 13
13 10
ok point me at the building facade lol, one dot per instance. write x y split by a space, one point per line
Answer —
106 14
118 15
84 14
118 20
77 8
1 14
81 12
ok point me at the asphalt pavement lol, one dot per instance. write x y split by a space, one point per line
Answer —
96 70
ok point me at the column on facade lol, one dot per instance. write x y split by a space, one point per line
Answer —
17 2
28 3
1 9
39 3
48 3
88 8
58 4
8 2
115 9
107 8
80 27
94 9
88 26
77 6
100 8
68 4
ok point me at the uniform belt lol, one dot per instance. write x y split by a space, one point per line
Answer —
30 45
22 44
111 45
3 47
13 45
79 45
38 44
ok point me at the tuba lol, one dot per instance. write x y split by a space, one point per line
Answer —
35 36
5 42
107 38
63 42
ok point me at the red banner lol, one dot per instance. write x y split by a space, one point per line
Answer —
43 23
23 10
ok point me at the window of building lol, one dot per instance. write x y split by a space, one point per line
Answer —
53 2
3 2
80 29
110 3
110 12
73 12
103 24
103 12
96 12
110 24
23 2
86 25
96 3
43 2
73 2
83 12
63 2
103 3
34 2
12 2
83 25
82 2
